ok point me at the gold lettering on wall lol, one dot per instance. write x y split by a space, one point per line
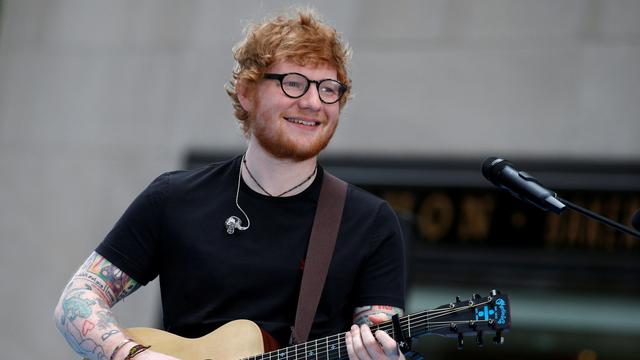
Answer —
435 217
402 202
552 230
468 218
475 217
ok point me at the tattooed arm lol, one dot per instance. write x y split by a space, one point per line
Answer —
83 314
362 343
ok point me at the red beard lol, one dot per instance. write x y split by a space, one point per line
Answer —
279 142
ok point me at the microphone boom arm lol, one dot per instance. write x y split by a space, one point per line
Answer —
600 218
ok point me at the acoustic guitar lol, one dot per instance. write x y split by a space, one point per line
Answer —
243 339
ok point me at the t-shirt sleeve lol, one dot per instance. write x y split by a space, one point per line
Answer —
132 245
383 279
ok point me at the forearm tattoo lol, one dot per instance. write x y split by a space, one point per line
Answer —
84 314
362 315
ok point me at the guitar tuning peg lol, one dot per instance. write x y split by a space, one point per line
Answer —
457 298
498 339
460 341
479 340
494 292
476 297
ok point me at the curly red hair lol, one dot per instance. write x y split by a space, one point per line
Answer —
302 38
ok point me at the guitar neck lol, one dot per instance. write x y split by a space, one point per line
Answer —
456 319
334 347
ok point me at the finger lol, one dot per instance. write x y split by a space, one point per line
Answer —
358 346
370 343
389 345
348 341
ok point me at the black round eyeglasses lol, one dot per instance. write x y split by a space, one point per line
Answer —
295 85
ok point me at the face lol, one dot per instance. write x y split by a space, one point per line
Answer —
296 129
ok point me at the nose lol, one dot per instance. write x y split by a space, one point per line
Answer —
311 99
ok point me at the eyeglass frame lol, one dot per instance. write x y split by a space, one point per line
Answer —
341 90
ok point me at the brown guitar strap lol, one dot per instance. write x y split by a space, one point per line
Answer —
322 241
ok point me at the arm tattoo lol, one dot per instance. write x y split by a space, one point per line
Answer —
84 314
76 324
112 282
361 315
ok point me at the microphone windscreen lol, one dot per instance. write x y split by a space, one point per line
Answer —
486 167
492 167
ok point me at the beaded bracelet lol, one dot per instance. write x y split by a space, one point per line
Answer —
119 347
135 351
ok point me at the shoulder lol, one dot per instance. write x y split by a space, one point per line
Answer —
364 203
368 216
186 180
203 172
361 203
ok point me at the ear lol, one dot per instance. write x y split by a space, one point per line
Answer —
245 96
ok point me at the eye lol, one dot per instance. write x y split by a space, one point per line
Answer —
293 84
329 90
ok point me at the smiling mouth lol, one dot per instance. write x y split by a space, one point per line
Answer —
302 122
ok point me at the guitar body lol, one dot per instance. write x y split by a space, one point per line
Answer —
235 340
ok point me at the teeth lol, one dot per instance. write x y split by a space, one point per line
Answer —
302 122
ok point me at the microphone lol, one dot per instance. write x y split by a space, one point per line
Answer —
635 221
520 184
525 187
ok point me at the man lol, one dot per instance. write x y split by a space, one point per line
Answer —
288 88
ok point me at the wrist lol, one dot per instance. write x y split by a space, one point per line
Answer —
135 350
120 351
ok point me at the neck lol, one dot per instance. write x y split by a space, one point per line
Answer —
276 175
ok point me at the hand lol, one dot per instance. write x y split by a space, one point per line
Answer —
364 345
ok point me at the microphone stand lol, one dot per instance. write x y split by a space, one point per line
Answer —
600 218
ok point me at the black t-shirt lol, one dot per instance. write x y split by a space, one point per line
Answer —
175 230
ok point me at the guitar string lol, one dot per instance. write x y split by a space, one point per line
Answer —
419 318
333 355
416 318
417 324
328 355
298 350
438 326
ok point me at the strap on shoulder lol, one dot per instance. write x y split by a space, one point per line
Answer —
321 244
